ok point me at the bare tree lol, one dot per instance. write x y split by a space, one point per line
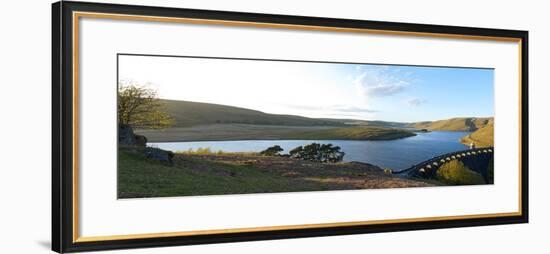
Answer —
139 107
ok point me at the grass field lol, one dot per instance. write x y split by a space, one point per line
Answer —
224 132
456 173
355 133
139 177
481 137
215 174
454 124
187 113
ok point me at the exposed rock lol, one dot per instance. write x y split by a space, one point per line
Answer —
140 140
159 154
127 137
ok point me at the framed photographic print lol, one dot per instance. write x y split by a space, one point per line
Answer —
179 126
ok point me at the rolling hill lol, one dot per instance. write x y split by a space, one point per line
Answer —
196 121
355 133
188 113
455 124
484 136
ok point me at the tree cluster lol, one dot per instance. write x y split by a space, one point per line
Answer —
323 153
272 151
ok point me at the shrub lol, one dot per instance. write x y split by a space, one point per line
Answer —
318 153
296 152
200 151
456 173
272 151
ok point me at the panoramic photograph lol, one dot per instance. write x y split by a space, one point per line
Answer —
190 126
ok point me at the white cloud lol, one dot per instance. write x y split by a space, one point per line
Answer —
353 109
335 109
416 101
379 82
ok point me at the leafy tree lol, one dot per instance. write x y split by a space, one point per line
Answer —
329 153
311 152
139 107
272 151
318 153
296 152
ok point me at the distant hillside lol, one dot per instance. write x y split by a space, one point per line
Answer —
196 121
218 132
455 124
355 133
376 123
188 113
484 136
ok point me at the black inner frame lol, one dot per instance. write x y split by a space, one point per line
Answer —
62 132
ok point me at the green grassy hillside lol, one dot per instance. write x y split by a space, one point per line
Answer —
355 133
484 136
455 124
456 173
217 132
196 121
188 113
239 173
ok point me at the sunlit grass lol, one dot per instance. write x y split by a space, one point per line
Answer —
209 151
355 133
140 177
456 173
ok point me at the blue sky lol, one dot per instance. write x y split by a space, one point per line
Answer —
419 93
328 90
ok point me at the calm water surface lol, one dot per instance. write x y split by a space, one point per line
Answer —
394 154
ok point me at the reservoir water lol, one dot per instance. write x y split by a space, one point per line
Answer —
395 154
